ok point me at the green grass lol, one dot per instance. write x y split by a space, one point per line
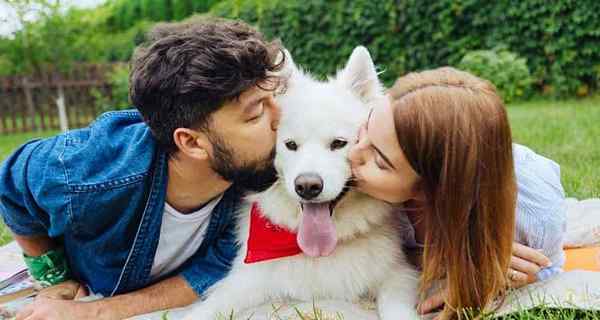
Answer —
538 313
544 313
8 143
567 132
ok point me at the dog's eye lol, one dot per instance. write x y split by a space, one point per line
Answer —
291 145
338 144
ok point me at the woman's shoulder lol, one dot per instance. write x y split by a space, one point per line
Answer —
540 191
537 176
541 203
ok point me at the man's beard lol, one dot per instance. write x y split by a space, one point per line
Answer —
256 176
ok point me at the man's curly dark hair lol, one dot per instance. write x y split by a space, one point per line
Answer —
186 71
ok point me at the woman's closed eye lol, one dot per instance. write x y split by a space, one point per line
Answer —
379 162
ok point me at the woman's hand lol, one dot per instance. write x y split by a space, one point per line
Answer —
525 263
432 303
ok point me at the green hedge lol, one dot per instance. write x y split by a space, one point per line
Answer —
560 40
126 13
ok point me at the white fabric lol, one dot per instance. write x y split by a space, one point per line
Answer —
583 227
575 289
180 237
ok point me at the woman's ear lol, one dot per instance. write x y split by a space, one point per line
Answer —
192 143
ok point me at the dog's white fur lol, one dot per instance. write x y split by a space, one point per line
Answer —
368 259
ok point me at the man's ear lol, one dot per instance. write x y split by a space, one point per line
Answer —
192 143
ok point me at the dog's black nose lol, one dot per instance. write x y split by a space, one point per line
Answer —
308 185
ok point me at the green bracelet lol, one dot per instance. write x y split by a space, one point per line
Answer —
49 269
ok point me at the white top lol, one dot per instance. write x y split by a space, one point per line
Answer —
180 237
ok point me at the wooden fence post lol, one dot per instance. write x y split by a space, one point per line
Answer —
30 105
62 109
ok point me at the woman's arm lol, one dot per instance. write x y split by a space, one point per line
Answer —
541 207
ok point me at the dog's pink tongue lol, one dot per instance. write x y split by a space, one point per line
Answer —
316 233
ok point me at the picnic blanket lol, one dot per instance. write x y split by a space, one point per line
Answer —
574 288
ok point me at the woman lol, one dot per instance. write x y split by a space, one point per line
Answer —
441 150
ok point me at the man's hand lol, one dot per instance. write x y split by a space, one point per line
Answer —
525 263
44 308
68 290
170 293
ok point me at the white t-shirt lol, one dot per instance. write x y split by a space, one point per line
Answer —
180 237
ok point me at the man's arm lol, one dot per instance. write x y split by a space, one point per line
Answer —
34 246
170 293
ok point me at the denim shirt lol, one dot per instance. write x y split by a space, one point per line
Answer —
100 191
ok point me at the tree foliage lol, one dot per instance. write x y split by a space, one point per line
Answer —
126 13
560 40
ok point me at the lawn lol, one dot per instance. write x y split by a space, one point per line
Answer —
567 132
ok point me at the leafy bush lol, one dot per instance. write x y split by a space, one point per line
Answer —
118 79
61 40
321 34
504 69
126 13
560 40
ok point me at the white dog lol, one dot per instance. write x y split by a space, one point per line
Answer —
349 246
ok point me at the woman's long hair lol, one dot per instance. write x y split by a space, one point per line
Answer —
454 131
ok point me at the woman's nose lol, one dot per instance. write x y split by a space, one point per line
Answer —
356 152
354 156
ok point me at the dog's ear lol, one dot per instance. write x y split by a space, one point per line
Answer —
289 69
360 76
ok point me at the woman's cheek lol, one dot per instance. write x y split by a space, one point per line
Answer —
373 178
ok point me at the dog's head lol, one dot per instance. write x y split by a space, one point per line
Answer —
319 124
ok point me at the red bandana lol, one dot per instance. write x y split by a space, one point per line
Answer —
268 241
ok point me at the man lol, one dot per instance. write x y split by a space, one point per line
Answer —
142 201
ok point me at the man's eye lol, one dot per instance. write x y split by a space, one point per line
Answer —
260 112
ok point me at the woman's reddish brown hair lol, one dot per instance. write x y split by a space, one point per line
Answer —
454 131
